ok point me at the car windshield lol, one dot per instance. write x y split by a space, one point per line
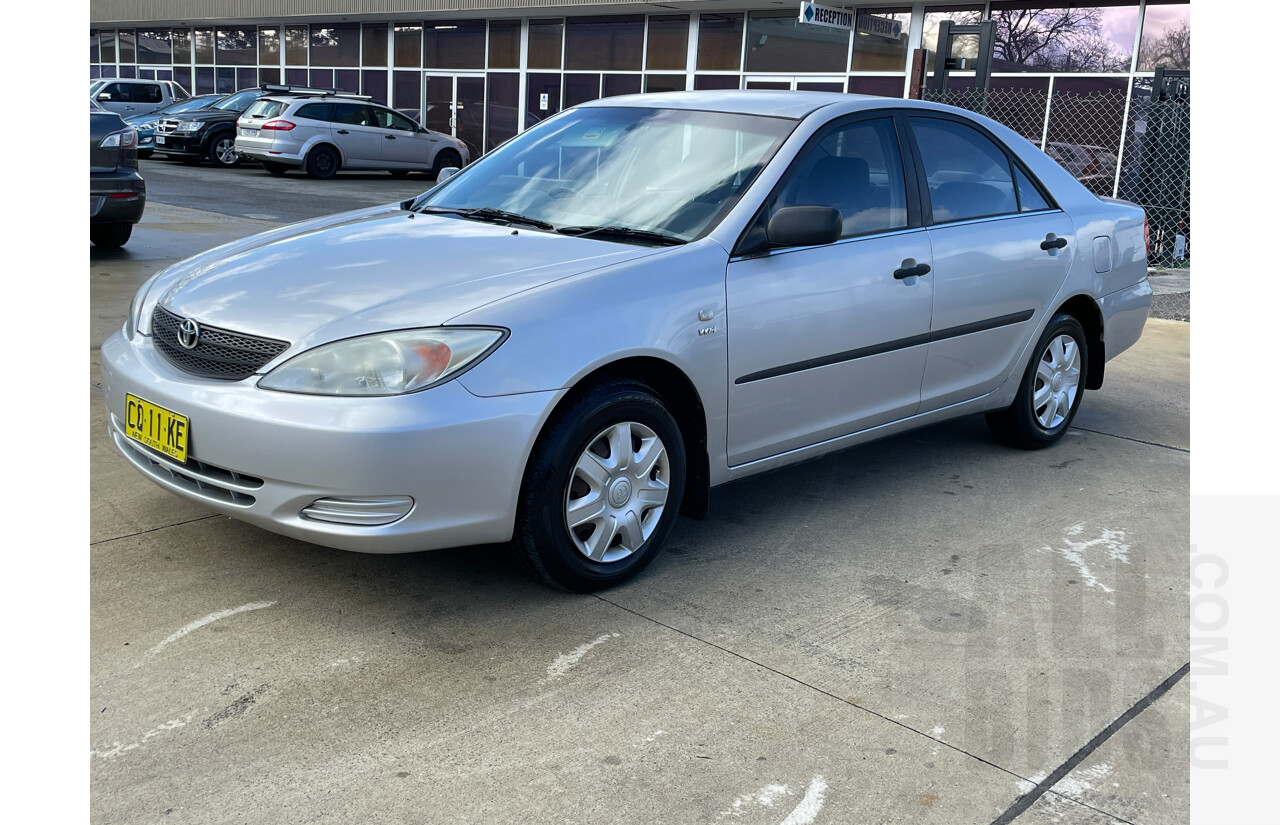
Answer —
239 101
191 104
596 170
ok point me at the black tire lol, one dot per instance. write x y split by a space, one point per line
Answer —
322 163
221 150
445 158
1024 423
399 173
110 235
543 540
275 168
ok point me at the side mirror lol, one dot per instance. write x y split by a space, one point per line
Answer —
104 95
448 172
805 226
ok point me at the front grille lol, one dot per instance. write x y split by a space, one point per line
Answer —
219 353
166 127
196 477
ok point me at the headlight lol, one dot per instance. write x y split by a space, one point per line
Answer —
188 126
389 363
132 321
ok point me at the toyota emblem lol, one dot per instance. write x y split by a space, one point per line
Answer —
189 333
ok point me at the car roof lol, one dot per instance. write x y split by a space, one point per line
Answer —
767 102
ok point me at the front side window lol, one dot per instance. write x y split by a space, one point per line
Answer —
668 171
857 170
388 119
968 175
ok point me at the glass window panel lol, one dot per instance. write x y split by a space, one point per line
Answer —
470 118
374 51
408 46
604 42
408 94
779 42
544 44
128 71
504 45
182 46
335 44
237 47
316 111
878 86
348 80
1029 197
148 74
95 72
1166 37
503 107
818 86
967 174
458 45
621 84
154 46
1056 36
295 77
164 74
93 47
716 81
204 46
226 80
664 83
880 40
246 77
108 44
269 74
579 88
320 79
541 84
720 42
960 15
269 46
374 83
295 46
439 115
182 75
128 46
856 170
668 46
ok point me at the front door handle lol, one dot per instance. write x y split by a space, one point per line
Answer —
1052 241
911 269
343 132
389 137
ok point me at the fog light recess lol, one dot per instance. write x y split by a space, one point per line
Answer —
361 512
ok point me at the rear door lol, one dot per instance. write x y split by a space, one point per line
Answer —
356 135
992 278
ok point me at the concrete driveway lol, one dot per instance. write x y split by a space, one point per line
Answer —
929 629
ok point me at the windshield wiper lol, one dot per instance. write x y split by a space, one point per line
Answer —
488 213
624 233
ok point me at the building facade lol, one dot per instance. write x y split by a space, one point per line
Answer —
487 69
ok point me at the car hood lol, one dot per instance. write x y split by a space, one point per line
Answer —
370 271
203 115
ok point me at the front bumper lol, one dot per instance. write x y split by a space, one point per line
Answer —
184 145
263 456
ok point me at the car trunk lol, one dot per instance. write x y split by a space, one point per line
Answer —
100 159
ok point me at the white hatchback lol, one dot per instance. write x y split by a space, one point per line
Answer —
327 131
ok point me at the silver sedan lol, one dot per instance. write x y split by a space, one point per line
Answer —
568 343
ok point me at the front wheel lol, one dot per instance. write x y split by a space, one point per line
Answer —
222 151
602 489
444 159
1051 388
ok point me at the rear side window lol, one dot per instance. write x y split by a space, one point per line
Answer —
316 111
264 109
968 175
148 93
353 114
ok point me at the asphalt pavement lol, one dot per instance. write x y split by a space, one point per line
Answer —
929 629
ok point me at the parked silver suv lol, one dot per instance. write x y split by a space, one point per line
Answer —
324 131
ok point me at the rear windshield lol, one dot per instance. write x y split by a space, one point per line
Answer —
265 108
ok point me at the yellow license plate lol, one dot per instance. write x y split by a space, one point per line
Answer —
162 430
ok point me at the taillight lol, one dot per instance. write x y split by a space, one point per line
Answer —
1146 231
277 125
124 139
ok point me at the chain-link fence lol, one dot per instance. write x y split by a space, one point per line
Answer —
1135 148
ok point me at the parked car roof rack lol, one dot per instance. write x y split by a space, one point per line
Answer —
308 91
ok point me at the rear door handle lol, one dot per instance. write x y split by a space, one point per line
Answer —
343 132
911 269
389 137
1052 241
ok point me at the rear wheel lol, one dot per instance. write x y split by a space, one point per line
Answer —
1051 388
602 489
444 159
110 235
275 168
322 162
222 150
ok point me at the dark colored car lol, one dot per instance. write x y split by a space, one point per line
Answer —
206 133
146 124
117 193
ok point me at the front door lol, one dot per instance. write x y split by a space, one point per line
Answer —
829 340
455 104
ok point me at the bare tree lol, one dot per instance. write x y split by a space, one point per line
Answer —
1064 39
1171 49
